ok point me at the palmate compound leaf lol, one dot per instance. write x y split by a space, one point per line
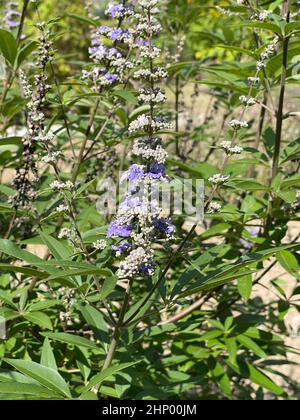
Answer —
44 375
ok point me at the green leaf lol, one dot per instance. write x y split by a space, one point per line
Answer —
111 371
11 140
80 272
18 390
245 286
44 375
82 19
9 248
40 319
58 250
246 370
107 287
8 46
126 95
251 345
95 320
73 340
26 51
289 262
47 357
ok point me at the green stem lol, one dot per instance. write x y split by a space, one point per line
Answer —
117 331
279 117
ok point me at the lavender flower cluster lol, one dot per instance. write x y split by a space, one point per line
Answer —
110 49
139 222
11 18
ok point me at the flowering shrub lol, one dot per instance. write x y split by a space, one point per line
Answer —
111 286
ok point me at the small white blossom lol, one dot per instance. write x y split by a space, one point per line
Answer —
58 185
236 124
100 244
214 207
253 80
62 208
231 149
218 179
66 233
51 157
247 101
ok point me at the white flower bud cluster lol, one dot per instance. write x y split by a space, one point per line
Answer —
226 12
131 265
230 148
214 207
100 245
247 101
157 74
144 24
66 233
261 16
145 122
60 186
51 157
68 300
150 52
148 4
27 174
269 52
27 87
218 179
237 124
148 96
154 151
253 81
62 208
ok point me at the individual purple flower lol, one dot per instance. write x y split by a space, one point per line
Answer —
147 269
113 51
11 24
165 226
142 43
130 203
115 10
103 29
157 170
247 244
134 173
117 229
116 34
112 78
122 248
97 49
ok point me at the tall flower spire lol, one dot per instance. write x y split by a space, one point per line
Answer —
139 222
